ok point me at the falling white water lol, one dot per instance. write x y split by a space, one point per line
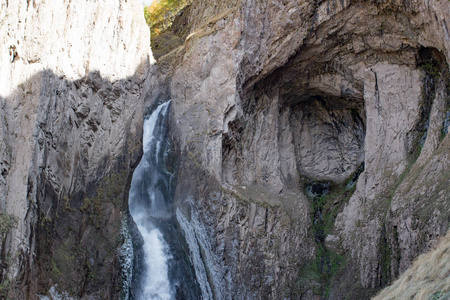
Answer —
155 248
156 284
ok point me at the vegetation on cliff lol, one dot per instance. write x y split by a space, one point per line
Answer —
428 278
161 13
160 16
7 222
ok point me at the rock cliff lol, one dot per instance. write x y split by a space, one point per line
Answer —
311 139
314 144
72 90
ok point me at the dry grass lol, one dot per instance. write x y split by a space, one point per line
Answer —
427 278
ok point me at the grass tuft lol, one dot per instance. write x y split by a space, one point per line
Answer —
428 277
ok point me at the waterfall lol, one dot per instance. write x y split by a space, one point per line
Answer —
166 270
148 205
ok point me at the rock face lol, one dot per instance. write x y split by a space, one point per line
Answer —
72 92
312 138
314 144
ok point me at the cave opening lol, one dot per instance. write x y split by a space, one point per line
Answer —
324 112
328 135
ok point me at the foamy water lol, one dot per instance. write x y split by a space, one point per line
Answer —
147 202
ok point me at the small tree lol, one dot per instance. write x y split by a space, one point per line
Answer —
161 13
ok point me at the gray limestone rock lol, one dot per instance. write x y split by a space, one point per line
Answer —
345 99
271 96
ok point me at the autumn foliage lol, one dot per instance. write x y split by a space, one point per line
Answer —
161 13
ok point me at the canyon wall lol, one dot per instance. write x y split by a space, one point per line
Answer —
314 143
72 90
312 140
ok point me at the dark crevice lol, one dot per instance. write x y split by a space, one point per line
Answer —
326 199
435 69
384 259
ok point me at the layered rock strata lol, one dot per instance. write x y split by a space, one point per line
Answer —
72 87
312 137
314 141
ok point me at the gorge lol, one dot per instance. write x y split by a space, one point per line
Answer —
279 149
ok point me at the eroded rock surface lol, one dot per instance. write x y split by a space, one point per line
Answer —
312 136
348 98
72 93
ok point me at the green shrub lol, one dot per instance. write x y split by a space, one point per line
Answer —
7 222
161 13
